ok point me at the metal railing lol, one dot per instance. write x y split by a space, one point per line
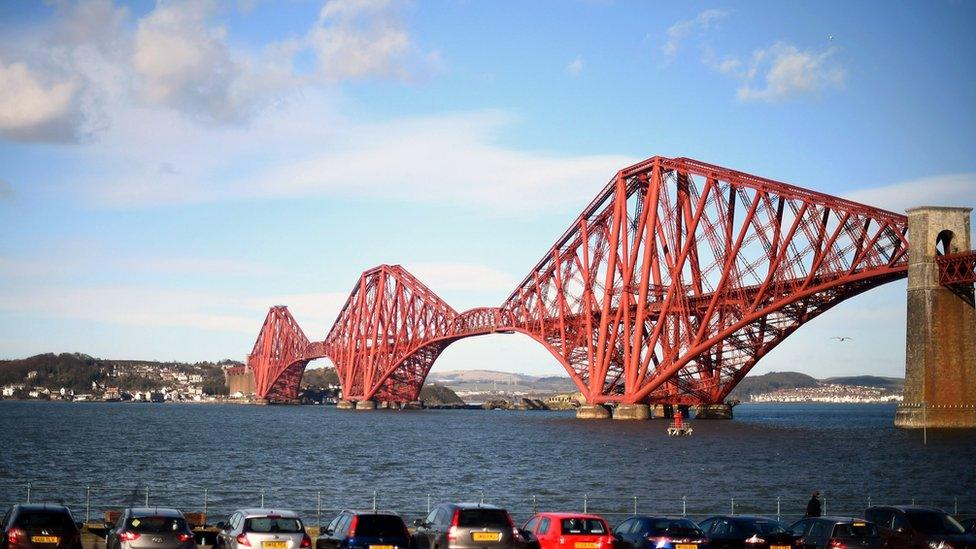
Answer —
317 505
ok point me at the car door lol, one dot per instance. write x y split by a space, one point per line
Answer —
816 536
721 534
902 534
330 536
421 536
545 532
528 532
112 538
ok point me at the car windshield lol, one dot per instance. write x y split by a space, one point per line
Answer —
582 526
855 530
680 528
379 525
156 525
760 527
483 517
45 519
267 525
934 522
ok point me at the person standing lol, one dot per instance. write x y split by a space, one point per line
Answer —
813 506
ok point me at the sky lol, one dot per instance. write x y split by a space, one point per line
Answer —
169 170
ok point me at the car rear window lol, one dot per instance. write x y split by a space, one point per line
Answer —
267 525
760 527
855 530
157 525
675 528
933 522
483 517
583 526
379 525
45 519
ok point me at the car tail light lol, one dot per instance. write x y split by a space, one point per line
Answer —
184 537
755 539
352 526
659 541
798 542
128 536
242 540
306 541
14 536
452 532
835 543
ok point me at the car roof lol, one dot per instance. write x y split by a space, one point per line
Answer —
907 508
361 512
41 507
264 512
568 515
155 512
741 517
839 519
475 505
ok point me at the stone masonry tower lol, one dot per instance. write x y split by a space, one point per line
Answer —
940 360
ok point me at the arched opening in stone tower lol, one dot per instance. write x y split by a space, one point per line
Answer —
943 242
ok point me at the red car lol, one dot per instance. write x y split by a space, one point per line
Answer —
568 531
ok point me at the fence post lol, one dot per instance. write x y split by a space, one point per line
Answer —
28 492
147 495
955 505
374 500
87 503
635 505
869 501
825 506
684 506
777 508
584 503
205 494
535 504
262 498
482 497
733 507
428 503
318 509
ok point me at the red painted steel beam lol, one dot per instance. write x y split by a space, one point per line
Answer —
957 269
669 287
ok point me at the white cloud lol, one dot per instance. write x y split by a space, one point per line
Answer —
32 109
575 67
938 190
682 29
467 277
782 71
359 38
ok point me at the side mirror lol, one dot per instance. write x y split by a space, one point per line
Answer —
328 531
222 525
525 534
419 523
79 525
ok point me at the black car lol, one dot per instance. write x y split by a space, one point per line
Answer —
39 526
836 533
739 532
366 530
644 532
917 527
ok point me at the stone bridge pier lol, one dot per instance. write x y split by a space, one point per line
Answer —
940 359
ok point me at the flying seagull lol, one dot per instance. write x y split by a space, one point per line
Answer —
844 338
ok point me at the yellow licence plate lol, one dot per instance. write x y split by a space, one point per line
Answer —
686 546
380 547
274 544
585 545
779 547
486 536
44 539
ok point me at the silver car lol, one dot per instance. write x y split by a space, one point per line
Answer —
150 528
467 526
262 529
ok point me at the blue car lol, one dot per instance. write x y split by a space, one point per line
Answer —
658 533
365 530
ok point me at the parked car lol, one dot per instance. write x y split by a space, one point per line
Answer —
740 532
365 530
262 529
836 533
466 526
643 532
917 527
156 527
567 531
39 526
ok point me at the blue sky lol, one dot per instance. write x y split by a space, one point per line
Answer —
168 170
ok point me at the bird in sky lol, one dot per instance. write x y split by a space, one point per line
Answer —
842 338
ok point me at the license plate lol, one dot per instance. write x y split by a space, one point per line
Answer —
586 545
779 547
381 547
44 539
486 536
274 544
686 546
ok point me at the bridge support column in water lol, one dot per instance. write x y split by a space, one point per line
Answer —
345 405
940 358
713 411
632 411
366 405
592 411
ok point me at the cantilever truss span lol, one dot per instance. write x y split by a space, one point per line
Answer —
669 287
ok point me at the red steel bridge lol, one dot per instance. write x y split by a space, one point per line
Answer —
668 288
